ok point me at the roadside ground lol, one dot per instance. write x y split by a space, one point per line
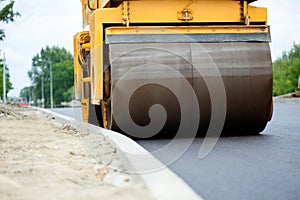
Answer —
40 158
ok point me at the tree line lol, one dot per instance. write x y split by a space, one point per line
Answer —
61 62
286 71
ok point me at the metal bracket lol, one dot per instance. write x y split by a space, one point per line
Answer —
185 15
245 18
89 5
126 13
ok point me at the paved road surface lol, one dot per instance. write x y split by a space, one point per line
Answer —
74 112
255 167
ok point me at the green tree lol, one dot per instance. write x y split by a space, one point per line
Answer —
65 81
286 71
8 83
62 74
26 93
7 14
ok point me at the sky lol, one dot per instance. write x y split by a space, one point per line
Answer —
54 22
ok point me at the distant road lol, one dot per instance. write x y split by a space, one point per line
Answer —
74 112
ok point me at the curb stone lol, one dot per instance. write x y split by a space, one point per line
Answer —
163 184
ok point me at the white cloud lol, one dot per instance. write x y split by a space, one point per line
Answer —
43 22
284 20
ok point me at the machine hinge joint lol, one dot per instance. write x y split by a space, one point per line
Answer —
126 13
245 18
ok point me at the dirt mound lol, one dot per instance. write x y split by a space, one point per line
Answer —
40 158
7 113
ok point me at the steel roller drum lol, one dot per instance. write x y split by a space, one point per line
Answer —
244 67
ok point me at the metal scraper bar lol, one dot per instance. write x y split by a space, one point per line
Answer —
179 38
187 34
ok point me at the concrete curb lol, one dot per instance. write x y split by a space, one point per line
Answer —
163 184
284 99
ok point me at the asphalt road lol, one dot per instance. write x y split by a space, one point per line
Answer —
74 112
254 167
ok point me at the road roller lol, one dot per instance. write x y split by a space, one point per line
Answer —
162 63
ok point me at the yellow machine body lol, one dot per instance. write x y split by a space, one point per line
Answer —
205 20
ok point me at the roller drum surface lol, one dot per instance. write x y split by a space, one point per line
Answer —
244 67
